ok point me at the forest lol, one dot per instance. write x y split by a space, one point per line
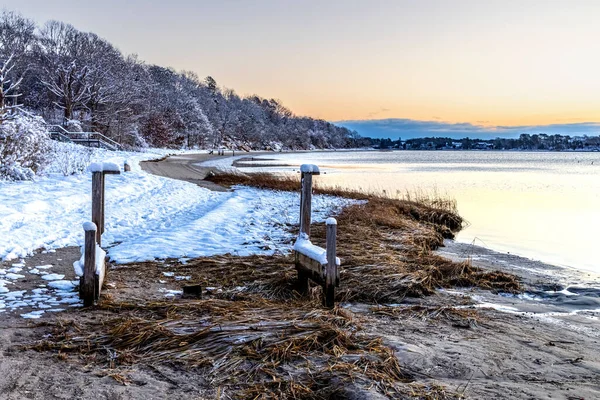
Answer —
525 141
84 83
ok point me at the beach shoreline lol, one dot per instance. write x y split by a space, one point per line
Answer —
498 351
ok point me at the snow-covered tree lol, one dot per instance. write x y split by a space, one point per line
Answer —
64 74
8 90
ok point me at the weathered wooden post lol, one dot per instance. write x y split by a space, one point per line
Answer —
126 167
306 173
97 203
99 170
331 279
88 281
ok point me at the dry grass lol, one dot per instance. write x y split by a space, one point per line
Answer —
459 317
278 350
255 336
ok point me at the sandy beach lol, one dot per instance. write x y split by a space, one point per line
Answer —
455 343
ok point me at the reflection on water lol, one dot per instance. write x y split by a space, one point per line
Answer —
540 205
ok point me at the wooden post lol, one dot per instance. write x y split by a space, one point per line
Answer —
88 284
303 286
331 271
126 167
101 227
97 203
306 173
305 203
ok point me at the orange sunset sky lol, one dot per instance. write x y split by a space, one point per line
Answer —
488 63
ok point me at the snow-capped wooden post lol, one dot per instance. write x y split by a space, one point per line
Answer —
126 167
88 280
306 173
99 171
313 262
93 269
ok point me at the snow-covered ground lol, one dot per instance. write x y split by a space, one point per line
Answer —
54 296
147 217
150 217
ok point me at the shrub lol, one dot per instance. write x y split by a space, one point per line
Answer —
69 159
24 147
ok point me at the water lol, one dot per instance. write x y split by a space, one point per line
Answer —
536 204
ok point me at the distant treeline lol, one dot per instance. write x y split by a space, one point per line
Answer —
81 81
540 141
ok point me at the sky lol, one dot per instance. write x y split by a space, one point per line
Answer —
488 64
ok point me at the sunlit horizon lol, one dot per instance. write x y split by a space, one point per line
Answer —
497 63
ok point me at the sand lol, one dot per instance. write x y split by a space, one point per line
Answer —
532 352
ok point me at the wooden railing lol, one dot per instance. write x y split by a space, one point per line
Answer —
90 139
94 267
313 262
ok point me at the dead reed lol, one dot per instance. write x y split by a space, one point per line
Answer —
279 349
254 335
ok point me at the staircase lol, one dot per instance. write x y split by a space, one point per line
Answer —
89 139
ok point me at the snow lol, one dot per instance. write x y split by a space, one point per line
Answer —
100 258
104 167
33 314
63 285
331 221
89 226
222 163
170 293
28 209
243 222
309 169
53 277
79 265
150 217
304 246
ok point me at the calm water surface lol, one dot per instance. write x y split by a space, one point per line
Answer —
535 204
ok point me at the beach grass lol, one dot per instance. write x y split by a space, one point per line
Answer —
255 337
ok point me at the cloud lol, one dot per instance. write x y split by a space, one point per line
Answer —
409 128
373 114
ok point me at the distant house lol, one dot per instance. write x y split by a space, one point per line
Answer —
484 146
